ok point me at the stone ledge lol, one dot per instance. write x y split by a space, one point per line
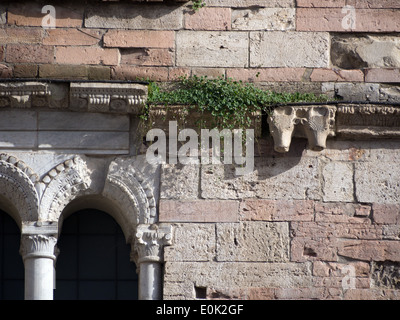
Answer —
106 97
344 120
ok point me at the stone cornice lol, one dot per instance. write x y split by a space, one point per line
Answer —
343 120
107 97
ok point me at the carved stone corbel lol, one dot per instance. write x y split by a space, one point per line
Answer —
315 123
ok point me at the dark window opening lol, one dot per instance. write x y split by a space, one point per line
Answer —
11 264
93 263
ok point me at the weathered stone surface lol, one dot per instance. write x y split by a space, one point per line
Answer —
353 91
286 179
386 213
277 19
198 211
276 210
139 39
179 181
192 242
253 241
211 49
386 274
209 19
337 181
250 3
377 182
114 142
373 51
370 250
341 212
181 277
289 49
155 17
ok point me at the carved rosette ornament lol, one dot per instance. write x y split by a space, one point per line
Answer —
38 246
150 241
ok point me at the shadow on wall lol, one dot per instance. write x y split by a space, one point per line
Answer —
98 14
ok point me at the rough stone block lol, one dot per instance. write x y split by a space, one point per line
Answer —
209 19
277 210
139 39
377 182
198 211
211 49
333 19
339 212
374 51
337 181
72 37
282 178
334 75
87 55
181 277
127 16
29 53
289 49
382 75
179 182
20 35
148 57
139 73
266 75
30 14
386 213
253 241
272 19
370 250
192 242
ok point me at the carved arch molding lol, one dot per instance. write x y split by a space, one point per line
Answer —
35 201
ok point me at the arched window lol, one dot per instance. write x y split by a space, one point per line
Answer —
93 263
11 264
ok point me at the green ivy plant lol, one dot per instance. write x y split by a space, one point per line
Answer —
197 4
231 103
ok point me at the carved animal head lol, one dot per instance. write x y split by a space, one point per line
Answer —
317 127
281 126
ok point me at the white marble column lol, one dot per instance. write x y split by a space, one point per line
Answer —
150 240
38 254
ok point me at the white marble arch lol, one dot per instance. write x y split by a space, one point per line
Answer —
115 186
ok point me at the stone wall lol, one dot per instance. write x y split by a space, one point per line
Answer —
320 46
303 225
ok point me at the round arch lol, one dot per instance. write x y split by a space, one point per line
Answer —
18 195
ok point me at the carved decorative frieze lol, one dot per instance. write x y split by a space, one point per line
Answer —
108 97
149 242
76 96
368 120
32 94
38 246
315 123
17 186
60 186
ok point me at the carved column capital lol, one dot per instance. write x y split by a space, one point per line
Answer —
150 240
38 246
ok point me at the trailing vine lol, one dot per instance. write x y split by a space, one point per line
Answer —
232 104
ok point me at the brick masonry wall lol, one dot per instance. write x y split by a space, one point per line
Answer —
304 225
307 42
